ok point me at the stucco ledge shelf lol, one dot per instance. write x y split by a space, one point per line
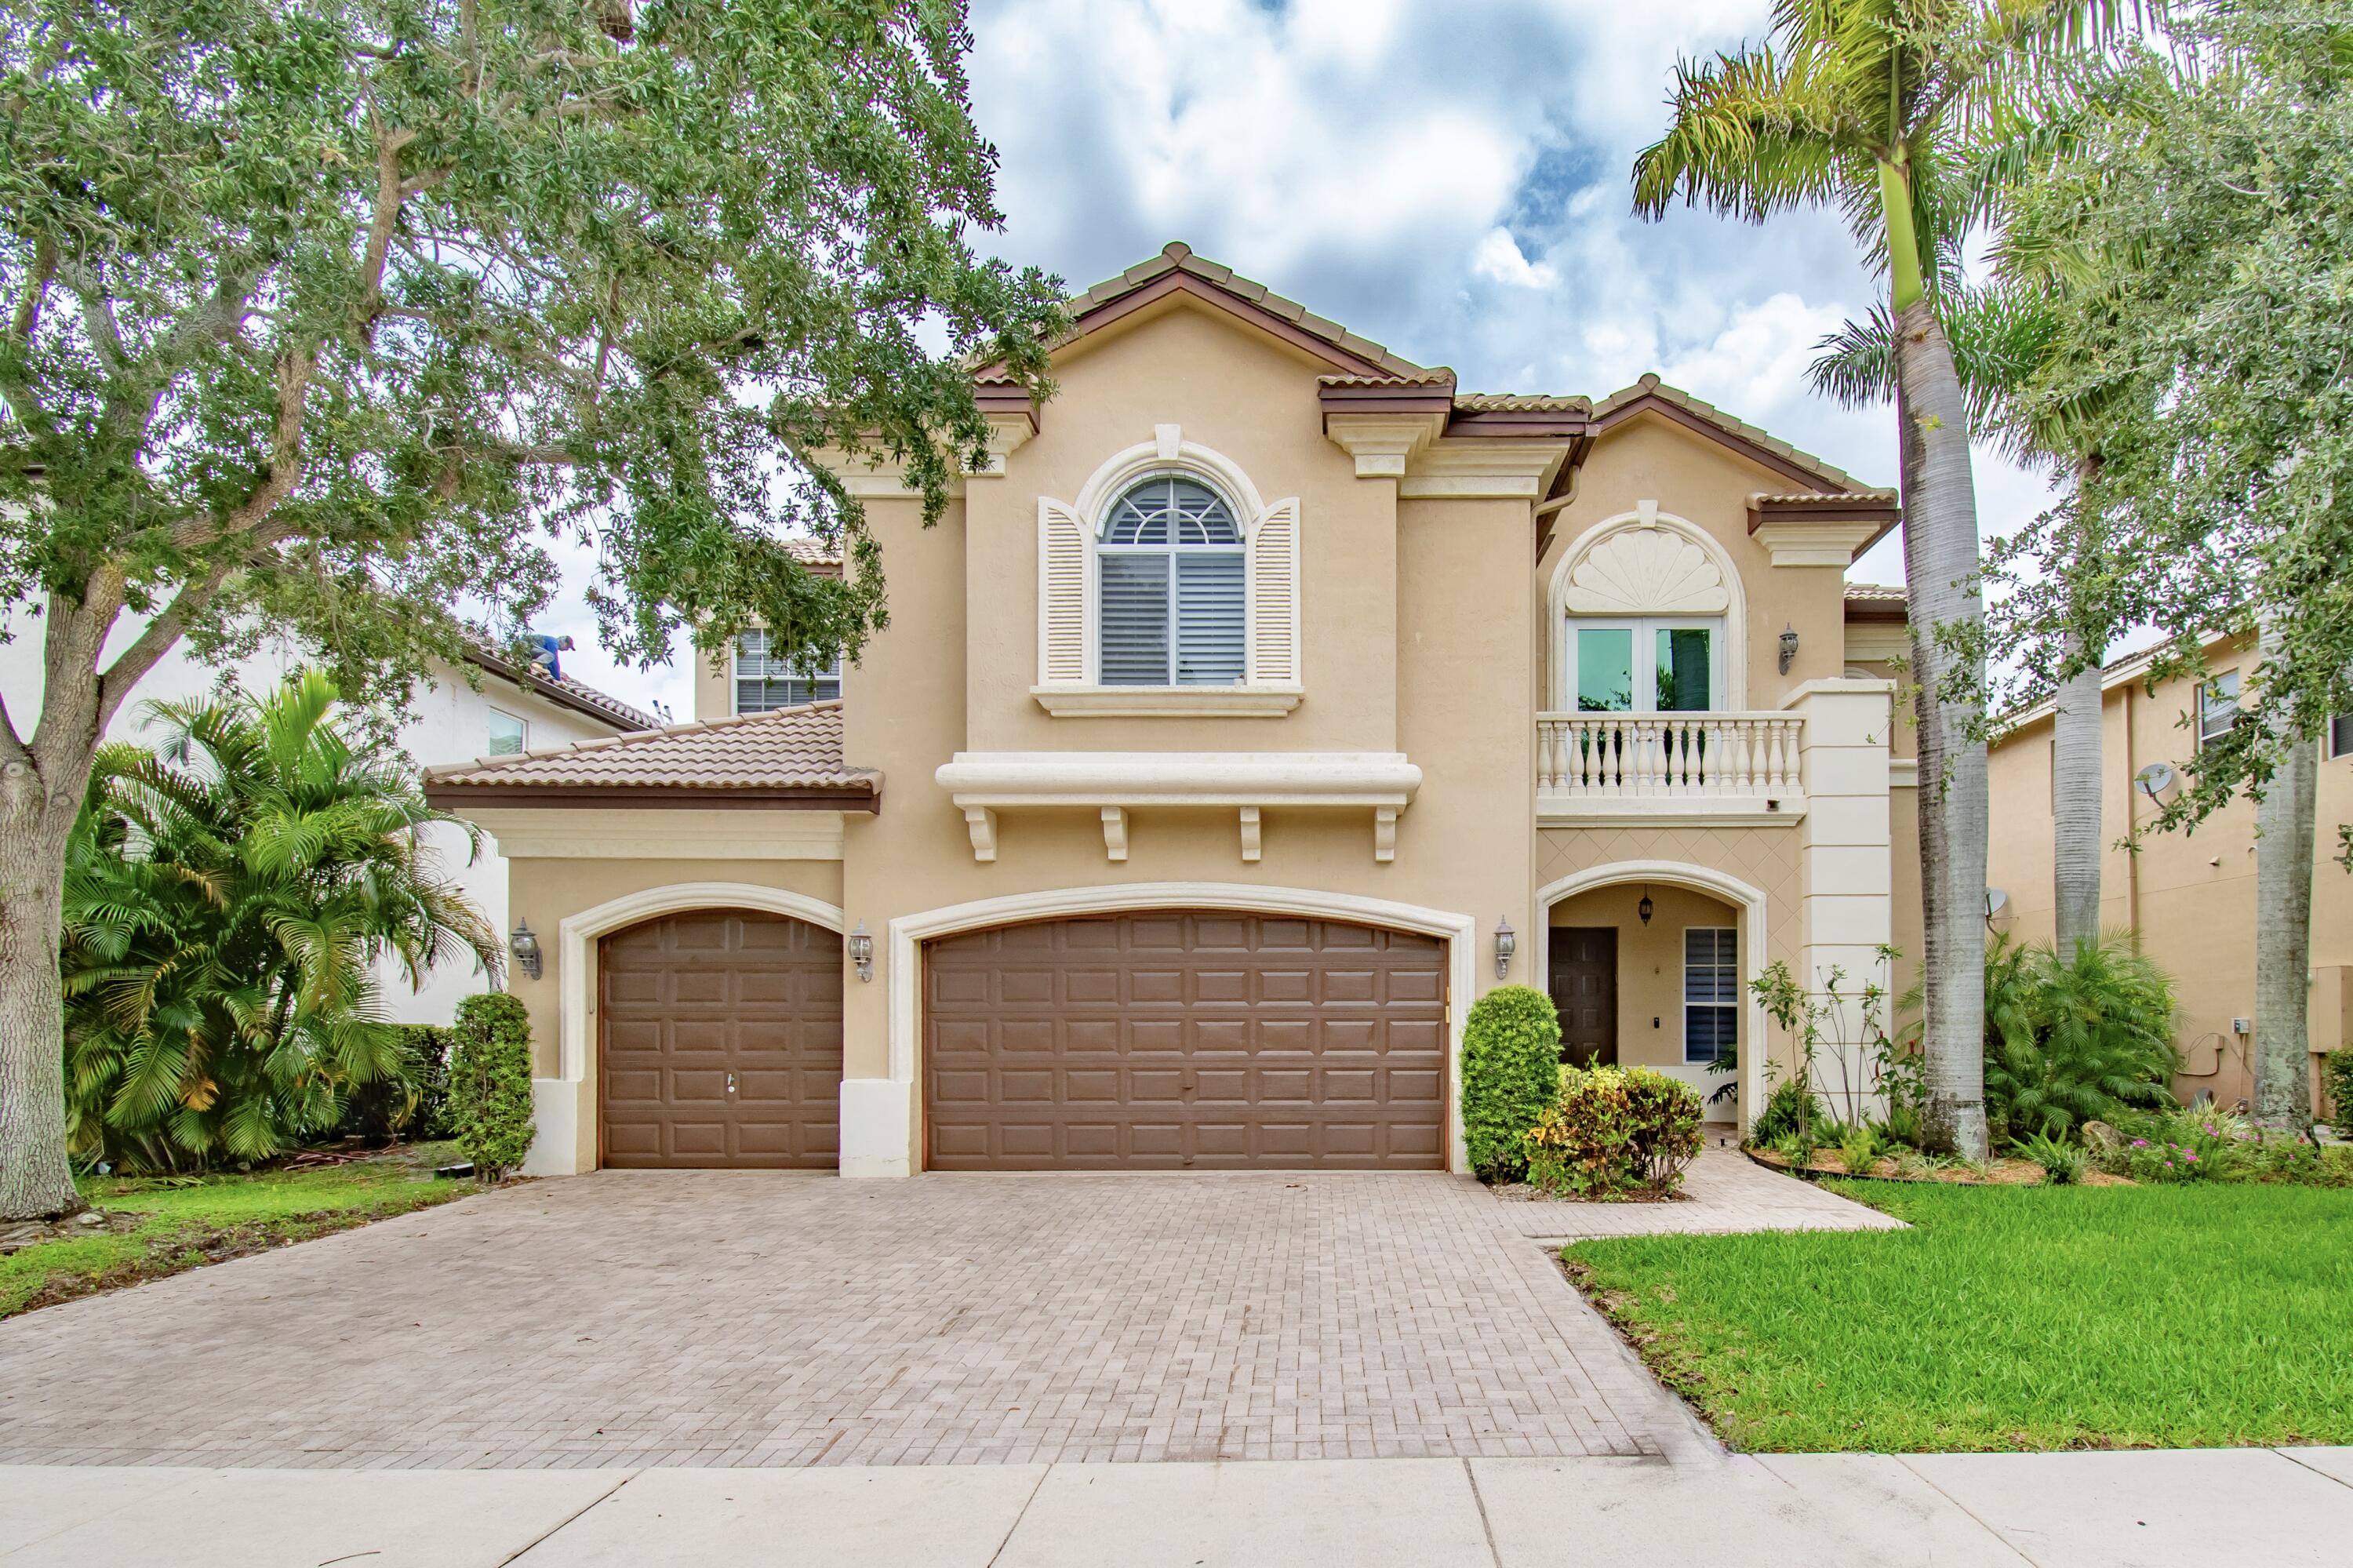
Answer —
1167 702
1558 810
982 784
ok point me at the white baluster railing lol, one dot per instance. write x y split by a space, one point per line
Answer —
1629 757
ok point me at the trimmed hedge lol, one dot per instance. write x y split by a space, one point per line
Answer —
1511 1072
1614 1129
490 1083
2336 1079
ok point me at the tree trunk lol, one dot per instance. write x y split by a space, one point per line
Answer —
1940 568
2075 806
36 1179
2283 826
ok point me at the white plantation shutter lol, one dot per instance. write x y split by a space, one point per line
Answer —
1135 620
1274 596
1209 621
1063 612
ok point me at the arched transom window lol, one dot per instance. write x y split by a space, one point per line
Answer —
1171 589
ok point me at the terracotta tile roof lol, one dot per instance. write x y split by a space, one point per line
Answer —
1523 402
1708 413
768 756
1177 257
1877 593
577 696
814 552
1810 497
1427 378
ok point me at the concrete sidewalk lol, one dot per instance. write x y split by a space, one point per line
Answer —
2201 1509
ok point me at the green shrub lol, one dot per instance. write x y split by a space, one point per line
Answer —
2062 1163
1614 1129
490 1083
2090 1039
1511 1072
411 1102
1859 1149
2336 1079
1790 1111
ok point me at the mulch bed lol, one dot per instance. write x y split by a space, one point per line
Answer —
1521 1192
1995 1173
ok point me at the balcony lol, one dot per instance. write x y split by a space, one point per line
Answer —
1601 770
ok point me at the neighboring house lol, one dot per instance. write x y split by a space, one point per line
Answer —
1265 700
2189 898
516 710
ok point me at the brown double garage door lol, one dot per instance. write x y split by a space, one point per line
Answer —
1208 1041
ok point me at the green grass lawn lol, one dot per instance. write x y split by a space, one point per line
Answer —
2010 1317
185 1224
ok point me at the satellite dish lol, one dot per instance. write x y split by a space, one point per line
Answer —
2157 779
1996 902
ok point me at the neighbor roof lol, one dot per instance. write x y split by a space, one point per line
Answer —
563 691
786 760
1876 601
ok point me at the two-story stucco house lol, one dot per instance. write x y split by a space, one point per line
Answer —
1265 701
2187 899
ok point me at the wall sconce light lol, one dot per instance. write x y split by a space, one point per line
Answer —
860 947
1789 647
1507 942
1646 908
525 948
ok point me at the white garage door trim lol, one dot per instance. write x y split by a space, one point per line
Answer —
908 931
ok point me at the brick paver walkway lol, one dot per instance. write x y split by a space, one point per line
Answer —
635 1318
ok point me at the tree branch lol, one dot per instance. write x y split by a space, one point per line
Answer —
156 637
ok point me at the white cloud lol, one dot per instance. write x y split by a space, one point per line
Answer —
1451 181
1498 259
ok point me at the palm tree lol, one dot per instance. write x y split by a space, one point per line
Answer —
227 902
2004 338
1867 104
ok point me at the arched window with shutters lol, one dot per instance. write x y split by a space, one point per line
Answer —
1171 586
1168 586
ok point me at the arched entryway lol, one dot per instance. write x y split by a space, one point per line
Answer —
1670 992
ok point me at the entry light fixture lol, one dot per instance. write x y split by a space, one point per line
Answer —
860 947
1646 908
1788 646
525 948
1507 942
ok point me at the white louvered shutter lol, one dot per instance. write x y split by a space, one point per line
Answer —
1063 615
1274 596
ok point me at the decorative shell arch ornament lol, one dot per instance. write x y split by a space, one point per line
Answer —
1649 562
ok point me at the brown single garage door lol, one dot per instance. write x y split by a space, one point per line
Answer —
722 1042
1209 1040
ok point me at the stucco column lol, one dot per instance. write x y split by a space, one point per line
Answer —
1845 871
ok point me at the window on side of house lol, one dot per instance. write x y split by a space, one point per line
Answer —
1645 664
2340 736
2218 706
1711 991
766 681
509 735
1171 587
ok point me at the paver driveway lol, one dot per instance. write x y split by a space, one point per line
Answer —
774 1319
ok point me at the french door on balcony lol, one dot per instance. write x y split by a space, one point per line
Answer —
1646 664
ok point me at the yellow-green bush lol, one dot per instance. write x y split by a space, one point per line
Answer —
1613 1130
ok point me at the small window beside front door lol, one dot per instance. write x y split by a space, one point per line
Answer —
1711 992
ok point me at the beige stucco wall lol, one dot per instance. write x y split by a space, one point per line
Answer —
2190 897
1254 401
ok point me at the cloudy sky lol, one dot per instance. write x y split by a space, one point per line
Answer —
1450 180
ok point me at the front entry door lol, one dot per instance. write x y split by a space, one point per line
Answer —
1583 983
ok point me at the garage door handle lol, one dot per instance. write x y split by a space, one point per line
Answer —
731 1083
1190 1085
